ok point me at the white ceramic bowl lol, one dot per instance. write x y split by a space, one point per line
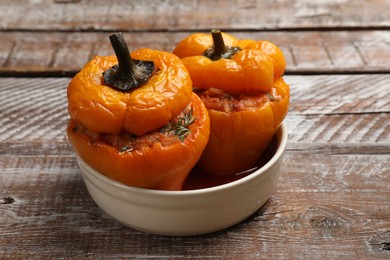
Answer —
189 212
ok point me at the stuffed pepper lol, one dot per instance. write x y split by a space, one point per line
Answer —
241 83
135 118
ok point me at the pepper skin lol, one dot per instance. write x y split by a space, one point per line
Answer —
251 70
135 119
238 138
105 110
240 133
196 44
156 166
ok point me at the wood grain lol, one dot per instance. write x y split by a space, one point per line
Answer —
60 53
332 198
173 15
341 212
337 110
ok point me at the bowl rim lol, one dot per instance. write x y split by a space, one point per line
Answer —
282 142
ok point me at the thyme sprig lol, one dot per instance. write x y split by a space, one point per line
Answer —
128 147
271 97
180 127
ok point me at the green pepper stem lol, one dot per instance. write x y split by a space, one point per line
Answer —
128 73
219 45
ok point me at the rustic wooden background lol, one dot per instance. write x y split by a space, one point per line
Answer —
333 199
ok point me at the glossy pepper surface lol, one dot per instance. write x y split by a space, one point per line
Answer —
238 138
104 109
155 165
146 131
245 94
249 66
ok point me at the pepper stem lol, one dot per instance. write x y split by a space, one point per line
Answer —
219 50
128 74
219 45
125 62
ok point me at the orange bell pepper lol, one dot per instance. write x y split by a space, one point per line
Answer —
102 108
238 137
157 160
245 95
237 66
116 124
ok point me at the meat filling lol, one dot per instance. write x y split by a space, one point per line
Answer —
219 100
126 142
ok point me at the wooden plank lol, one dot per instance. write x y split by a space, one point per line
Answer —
330 173
320 135
339 212
323 110
332 198
340 94
74 15
305 52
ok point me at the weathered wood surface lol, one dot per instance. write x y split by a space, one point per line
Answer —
336 212
43 37
333 197
65 53
338 109
175 15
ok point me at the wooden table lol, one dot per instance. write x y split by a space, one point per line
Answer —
333 198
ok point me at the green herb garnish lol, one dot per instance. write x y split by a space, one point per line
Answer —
180 127
126 148
271 97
